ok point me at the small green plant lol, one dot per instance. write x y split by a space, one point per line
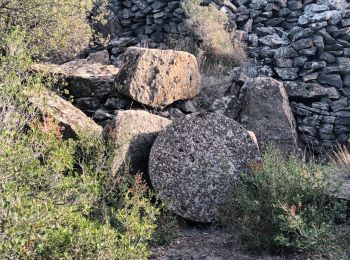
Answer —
166 229
209 25
285 206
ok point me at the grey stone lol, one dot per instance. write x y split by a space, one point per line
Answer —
331 79
228 106
321 106
325 56
101 115
315 65
309 77
273 41
116 103
264 31
186 106
344 64
299 61
87 103
284 63
314 120
287 73
132 133
193 167
346 80
315 8
303 44
331 16
328 39
328 119
285 52
158 77
340 104
343 121
266 112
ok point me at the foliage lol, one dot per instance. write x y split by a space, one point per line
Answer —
58 198
285 205
54 29
341 159
166 229
208 23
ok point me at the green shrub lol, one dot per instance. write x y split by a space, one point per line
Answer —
55 30
166 229
286 206
58 198
209 25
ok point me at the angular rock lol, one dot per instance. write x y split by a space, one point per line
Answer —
133 133
158 77
193 167
267 113
228 106
84 77
331 79
273 41
72 121
287 73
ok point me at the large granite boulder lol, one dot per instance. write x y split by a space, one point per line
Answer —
157 78
72 121
90 77
133 133
196 161
266 112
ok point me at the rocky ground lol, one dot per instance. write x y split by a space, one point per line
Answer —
213 243
201 243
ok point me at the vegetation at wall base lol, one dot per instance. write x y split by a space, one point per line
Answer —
58 198
285 206
218 46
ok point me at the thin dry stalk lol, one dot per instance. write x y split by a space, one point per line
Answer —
340 158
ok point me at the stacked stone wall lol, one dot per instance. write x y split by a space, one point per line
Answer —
305 44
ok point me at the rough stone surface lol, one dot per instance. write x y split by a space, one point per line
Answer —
133 133
158 77
196 160
267 113
72 121
85 77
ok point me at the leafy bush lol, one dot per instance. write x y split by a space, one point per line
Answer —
54 29
58 198
285 205
208 23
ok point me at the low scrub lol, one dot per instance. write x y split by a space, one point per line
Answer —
58 197
285 206
209 24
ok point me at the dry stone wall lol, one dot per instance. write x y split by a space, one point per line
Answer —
304 43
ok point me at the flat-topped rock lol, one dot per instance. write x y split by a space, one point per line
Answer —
195 162
133 133
157 78
84 77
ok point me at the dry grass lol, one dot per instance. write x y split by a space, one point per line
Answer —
220 47
340 158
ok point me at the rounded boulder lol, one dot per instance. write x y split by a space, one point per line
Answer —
196 161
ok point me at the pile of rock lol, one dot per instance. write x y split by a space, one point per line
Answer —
306 45
151 19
